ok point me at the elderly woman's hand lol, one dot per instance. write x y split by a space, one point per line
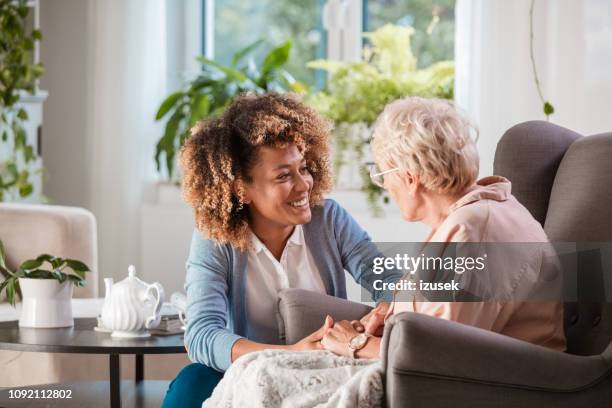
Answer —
337 338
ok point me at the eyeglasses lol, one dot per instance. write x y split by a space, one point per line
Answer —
377 176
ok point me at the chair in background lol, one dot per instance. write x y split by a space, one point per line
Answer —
29 230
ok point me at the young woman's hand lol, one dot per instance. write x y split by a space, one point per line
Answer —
313 341
374 322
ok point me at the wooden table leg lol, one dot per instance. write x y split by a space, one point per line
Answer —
139 363
115 381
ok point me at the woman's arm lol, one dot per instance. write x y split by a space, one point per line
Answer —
207 338
358 252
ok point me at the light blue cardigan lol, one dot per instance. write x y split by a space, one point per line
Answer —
215 282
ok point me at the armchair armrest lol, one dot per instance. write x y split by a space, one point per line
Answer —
425 356
302 312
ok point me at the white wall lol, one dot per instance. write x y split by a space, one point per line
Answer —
573 51
63 51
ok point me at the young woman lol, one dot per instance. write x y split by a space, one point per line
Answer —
256 177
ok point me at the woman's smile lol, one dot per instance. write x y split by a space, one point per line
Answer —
300 203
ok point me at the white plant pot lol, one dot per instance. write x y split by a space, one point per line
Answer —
46 303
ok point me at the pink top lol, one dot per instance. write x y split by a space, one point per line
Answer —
489 213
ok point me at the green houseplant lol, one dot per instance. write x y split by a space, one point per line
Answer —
18 75
213 90
358 91
62 270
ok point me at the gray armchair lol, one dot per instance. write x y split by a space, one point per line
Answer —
565 180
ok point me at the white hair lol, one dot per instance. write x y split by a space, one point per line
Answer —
428 137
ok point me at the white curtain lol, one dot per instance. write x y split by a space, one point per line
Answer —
494 79
128 70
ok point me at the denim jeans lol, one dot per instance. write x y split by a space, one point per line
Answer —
193 384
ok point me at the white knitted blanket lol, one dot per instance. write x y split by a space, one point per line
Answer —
309 379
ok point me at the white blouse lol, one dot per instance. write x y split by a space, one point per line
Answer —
266 277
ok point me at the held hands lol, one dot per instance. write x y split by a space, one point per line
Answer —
313 341
337 338
374 322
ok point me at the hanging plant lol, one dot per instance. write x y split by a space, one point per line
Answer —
547 107
18 75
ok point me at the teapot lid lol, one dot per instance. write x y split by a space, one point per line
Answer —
131 271
132 280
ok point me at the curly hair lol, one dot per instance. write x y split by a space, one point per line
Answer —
218 155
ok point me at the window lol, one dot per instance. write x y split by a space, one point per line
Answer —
238 23
433 22
324 28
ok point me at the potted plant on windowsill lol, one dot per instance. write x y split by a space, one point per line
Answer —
45 292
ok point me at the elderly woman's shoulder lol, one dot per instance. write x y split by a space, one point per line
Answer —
493 221
465 224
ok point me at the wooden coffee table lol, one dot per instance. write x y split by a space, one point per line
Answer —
81 338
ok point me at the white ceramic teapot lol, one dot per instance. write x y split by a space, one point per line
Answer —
132 306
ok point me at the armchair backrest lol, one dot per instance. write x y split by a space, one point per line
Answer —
28 230
565 181
529 155
580 210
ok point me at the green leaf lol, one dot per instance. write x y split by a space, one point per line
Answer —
3 285
77 266
76 280
31 264
22 114
230 72
40 274
276 58
166 144
168 104
25 190
199 109
45 258
20 138
2 255
60 276
10 291
37 35
238 56
4 136
28 154
548 108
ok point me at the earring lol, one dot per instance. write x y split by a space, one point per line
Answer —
240 205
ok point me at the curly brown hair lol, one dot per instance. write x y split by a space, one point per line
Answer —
218 155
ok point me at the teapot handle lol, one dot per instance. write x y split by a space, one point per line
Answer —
154 320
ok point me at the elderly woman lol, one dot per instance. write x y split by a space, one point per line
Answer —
427 161
255 177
